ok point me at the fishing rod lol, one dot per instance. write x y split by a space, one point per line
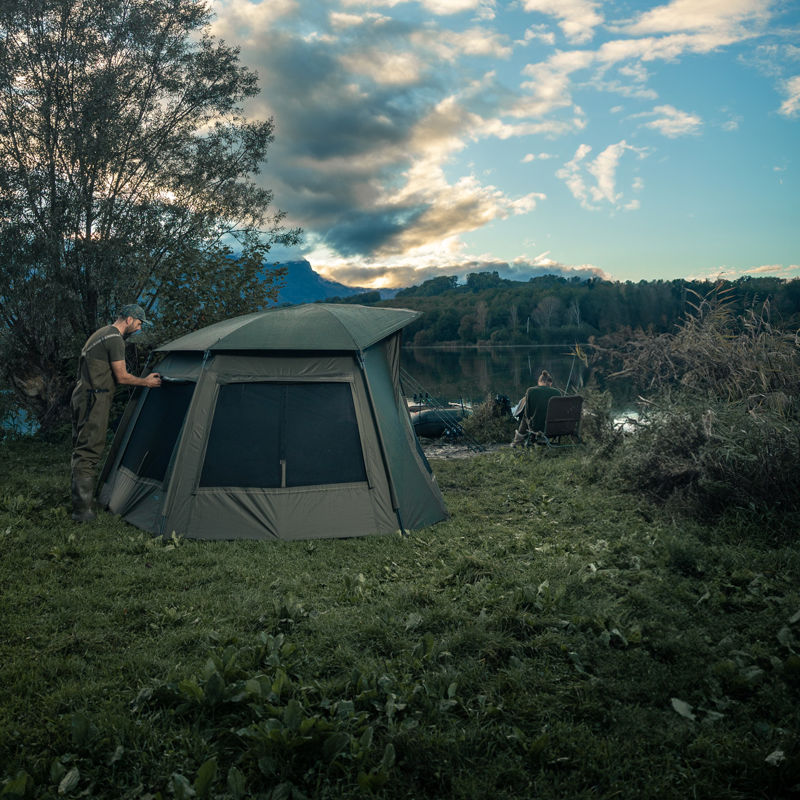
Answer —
566 388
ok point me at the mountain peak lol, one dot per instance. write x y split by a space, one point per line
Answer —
303 285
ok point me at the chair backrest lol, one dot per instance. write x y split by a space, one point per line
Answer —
563 416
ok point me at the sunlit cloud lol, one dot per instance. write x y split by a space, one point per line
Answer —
549 83
578 173
447 7
671 122
243 21
728 273
791 106
454 45
576 18
770 269
341 21
482 8
539 33
388 68
393 275
691 15
443 210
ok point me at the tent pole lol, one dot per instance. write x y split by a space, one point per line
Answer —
384 458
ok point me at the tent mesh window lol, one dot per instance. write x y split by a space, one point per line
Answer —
158 426
273 435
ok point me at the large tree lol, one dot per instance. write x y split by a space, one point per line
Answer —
126 174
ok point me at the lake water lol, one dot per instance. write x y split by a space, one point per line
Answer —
471 374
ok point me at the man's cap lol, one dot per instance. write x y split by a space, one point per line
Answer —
135 311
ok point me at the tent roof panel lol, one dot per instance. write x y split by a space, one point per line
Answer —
315 326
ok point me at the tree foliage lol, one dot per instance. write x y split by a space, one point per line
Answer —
126 174
550 309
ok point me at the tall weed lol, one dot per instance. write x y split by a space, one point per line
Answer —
720 414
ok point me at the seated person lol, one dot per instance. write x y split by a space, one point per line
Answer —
534 407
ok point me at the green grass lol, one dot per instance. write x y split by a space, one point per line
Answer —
553 639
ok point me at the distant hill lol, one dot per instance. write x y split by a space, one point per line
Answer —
303 285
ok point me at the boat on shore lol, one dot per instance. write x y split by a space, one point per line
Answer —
432 422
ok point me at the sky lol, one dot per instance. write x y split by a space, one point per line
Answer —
630 140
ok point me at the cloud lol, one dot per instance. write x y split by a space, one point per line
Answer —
700 15
383 109
539 33
484 9
360 152
341 21
776 61
362 139
549 83
577 18
442 210
769 269
725 272
446 7
791 106
577 172
243 21
454 45
671 122
402 276
387 68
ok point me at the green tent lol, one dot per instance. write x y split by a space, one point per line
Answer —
284 424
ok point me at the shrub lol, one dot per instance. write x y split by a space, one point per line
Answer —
750 459
718 355
597 424
714 456
491 421
721 424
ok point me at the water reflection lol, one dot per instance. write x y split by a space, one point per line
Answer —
471 374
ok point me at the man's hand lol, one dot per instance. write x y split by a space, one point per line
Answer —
124 378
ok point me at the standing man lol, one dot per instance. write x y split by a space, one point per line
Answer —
100 368
535 407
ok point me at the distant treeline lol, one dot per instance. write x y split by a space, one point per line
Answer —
492 310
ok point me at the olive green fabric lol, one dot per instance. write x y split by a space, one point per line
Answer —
356 347
316 327
90 403
94 365
536 400
90 411
410 472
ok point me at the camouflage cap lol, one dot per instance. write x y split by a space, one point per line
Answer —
135 311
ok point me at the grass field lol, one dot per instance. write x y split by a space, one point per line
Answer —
553 639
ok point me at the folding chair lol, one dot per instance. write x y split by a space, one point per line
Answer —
563 420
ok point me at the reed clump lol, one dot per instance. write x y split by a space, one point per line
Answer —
719 408
491 421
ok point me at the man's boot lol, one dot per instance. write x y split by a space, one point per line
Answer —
82 498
